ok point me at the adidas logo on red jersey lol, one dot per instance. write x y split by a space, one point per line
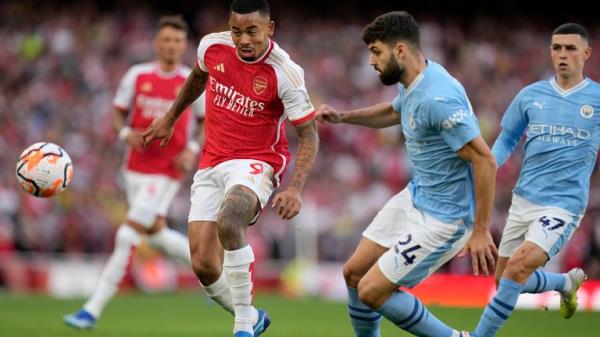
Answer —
220 67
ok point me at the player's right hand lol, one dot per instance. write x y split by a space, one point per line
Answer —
327 114
159 129
483 252
135 140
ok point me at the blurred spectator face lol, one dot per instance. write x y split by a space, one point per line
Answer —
170 44
250 33
569 53
383 59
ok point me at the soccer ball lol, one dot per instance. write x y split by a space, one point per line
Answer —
44 170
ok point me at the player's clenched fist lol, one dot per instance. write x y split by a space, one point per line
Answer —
160 128
327 114
287 203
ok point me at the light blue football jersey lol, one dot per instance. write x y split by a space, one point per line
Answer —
562 139
437 120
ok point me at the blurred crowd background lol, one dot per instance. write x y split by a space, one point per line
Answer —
60 66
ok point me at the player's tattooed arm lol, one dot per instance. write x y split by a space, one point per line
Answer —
288 202
192 89
308 145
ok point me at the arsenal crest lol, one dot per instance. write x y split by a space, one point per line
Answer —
260 85
146 87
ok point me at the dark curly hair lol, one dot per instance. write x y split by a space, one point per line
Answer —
392 27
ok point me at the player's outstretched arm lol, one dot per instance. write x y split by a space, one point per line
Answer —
288 202
377 116
162 128
482 247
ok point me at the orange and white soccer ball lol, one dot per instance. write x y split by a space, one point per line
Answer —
44 170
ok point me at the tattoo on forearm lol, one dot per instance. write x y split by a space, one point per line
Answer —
237 210
192 89
306 154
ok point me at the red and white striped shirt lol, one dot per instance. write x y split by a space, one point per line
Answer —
147 93
247 103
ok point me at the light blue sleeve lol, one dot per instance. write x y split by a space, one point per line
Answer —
454 119
513 124
396 104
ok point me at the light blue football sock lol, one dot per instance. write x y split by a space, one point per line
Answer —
499 309
541 281
408 313
365 321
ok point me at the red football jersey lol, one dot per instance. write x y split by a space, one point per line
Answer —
148 93
247 103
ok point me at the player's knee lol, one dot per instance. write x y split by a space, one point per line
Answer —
144 216
530 264
368 294
207 270
159 224
521 265
351 275
518 269
513 267
238 208
127 237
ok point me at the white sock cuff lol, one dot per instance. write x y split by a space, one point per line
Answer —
127 235
216 287
238 257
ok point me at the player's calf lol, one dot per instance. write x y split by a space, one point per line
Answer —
524 262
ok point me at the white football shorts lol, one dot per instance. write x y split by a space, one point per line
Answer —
211 184
149 196
418 243
548 227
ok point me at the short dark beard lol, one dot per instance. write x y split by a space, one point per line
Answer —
393 72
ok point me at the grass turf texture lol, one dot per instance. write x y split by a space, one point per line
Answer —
190 315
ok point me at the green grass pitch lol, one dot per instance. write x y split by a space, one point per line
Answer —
190 315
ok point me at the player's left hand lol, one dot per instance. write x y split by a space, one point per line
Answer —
483 252
184 160
287 203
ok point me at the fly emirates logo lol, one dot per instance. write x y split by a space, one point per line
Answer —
232 100
153 107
